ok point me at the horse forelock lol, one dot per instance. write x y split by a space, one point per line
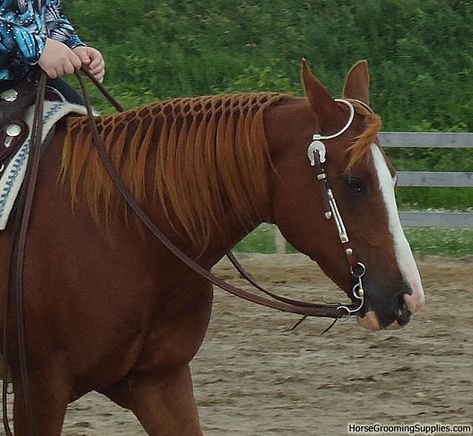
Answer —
361 148
210 154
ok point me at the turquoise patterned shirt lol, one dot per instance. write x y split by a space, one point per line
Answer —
24 27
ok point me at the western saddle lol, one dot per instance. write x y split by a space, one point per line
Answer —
13 129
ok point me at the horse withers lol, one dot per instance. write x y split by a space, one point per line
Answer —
108 308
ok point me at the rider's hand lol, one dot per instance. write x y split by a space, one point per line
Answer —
92 60
58 59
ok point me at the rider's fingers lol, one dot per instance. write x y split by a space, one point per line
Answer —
96 61
76 62
100 75
51 72
60 71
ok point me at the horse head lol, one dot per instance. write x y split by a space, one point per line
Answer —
343 133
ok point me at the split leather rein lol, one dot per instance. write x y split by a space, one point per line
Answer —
317 155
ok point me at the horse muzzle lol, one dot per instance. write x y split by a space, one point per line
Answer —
391 317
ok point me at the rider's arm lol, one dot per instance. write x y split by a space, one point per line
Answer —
58 26
18 43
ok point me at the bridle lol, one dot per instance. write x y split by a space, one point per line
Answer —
317 154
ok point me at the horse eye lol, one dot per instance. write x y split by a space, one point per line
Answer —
356 185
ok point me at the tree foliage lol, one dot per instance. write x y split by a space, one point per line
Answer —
420 51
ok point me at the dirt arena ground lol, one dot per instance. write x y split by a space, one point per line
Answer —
254 377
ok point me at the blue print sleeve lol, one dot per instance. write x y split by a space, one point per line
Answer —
18 44
59 27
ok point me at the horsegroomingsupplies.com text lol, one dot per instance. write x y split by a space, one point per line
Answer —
410 429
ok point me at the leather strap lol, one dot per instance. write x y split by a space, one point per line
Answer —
103 90
231 257
14 286
14 107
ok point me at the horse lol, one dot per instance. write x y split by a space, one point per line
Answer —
107 308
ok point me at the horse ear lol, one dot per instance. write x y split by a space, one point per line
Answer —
357 83
320 100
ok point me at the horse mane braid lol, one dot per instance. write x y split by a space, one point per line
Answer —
199 157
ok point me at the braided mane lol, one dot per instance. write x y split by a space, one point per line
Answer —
208 154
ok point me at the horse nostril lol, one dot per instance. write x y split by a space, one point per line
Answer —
402 313
400 302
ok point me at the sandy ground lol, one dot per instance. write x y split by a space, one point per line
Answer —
254 377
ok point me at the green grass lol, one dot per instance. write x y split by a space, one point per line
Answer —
445 242
448 242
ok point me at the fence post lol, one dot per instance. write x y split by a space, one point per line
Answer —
279 241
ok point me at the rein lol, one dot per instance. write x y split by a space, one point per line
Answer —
280 303
16 259
317 157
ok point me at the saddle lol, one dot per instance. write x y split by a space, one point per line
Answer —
13 130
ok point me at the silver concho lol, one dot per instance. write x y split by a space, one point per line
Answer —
9 95
13 130
316 146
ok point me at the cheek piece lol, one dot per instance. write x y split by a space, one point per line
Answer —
317 154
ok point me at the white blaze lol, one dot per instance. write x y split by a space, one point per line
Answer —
404 257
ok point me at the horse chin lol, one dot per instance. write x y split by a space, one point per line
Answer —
369 321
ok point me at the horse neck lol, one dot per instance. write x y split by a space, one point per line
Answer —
211 172
221 235
201 166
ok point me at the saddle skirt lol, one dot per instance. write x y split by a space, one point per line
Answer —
13 173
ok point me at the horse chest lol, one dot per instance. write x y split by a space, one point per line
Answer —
178 329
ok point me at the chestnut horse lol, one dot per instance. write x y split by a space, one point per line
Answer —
108 308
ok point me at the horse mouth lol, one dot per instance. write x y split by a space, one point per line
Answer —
382 316
370 320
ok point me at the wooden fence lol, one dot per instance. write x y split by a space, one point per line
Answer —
425 179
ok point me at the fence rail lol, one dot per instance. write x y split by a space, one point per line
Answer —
426 139
459 220
433 179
